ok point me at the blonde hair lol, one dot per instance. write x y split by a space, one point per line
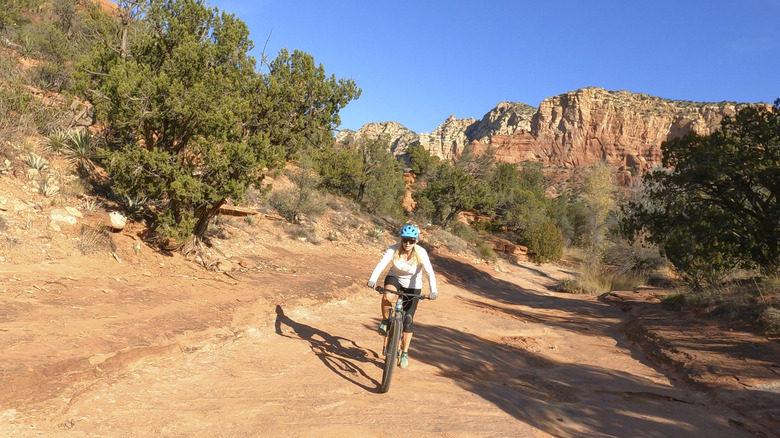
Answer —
414 257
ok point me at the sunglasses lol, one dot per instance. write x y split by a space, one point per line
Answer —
411 241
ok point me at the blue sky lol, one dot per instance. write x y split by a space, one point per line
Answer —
418 62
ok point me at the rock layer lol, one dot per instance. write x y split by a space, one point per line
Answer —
575 129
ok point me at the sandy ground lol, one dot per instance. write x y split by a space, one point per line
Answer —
285 344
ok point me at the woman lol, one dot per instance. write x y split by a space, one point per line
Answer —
405 275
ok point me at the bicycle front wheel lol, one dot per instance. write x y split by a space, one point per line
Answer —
391 358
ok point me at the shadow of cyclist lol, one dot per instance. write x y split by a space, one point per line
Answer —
330 350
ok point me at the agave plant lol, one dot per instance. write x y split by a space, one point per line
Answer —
36 161
134 204
48 187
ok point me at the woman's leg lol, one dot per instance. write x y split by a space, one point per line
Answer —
388 300
410 306
407 339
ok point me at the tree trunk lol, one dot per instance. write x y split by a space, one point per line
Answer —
449 218
204 213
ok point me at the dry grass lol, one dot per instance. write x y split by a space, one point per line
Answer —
598 279
752 301
620 267
92 240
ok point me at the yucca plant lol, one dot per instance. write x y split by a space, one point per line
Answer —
57 140
80 149
91 205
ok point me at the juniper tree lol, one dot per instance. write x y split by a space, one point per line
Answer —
190 121
714 205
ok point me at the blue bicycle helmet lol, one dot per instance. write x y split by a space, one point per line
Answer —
410 232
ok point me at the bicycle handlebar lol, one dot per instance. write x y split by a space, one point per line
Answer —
381 290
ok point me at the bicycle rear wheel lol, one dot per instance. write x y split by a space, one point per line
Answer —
391 358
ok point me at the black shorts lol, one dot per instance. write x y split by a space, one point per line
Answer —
410 303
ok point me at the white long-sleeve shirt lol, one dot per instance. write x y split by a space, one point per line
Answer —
408 275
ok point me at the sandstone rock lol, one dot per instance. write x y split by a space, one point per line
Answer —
62 215
448 140
575 129
503 120
399 137
74 212
623 178
505 246
82 113
587 126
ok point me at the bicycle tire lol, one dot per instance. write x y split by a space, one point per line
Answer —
391 358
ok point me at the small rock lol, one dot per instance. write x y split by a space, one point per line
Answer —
247 264
118 220
74 212
60 215
225 266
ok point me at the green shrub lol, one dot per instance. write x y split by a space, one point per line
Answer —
302 233
637 259
486 252
424 210
465 232
545 240
673 301
448 240
292 203
54 77
570 285
770 319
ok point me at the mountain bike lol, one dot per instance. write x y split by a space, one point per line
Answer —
392 344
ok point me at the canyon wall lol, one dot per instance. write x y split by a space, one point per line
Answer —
571 130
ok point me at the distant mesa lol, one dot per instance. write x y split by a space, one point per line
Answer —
575 129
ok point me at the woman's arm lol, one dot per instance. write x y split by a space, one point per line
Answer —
386 259
426 262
